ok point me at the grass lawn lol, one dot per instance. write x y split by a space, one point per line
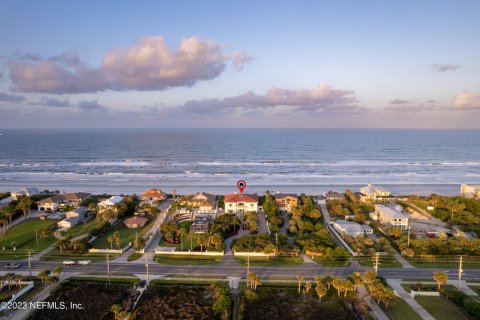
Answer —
450 262
186 259
425 287
127 235
441 308
134 256
56 255
383 261
188 282
331 262
401 310
83 228
270 262
476 289
188 243
105 279
23 235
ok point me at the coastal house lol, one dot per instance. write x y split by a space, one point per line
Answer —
470 190
199 203
374 193
331 195
390 217
110 202
135 222
74 198
50 204
73 218
200 224
240 203
285 202
153 195
352 228
28 191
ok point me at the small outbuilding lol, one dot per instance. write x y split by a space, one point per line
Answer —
135 222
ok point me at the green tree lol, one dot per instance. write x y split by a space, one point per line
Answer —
24 205
321 290
57 271
110 240
440 277
299 279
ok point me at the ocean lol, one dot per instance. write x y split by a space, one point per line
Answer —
313 161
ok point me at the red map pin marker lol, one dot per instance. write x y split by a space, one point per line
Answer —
241 184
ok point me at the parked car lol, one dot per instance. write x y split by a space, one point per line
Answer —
69 262
142 284
13 265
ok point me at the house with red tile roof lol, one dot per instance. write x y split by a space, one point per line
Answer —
153 195
240 203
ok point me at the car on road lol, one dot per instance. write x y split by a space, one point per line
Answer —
69 262
142 284
84 262
13 265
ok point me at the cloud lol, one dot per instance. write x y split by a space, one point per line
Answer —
320 98
90 105
148 65
443 67
52 102
467 100
399 101
10 97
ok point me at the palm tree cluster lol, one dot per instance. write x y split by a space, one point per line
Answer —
47 279
11 280
325 282
381 293
253 281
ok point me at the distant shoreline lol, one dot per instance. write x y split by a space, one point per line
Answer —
311 189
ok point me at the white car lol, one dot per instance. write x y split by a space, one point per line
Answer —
69 262
84 262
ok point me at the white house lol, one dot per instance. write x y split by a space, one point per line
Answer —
240 203
470 190
388 216
352 228
375 193
24 192
110 202
73 218
50 204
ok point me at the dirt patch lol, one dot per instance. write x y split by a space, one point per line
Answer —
286 303
161 302
96 299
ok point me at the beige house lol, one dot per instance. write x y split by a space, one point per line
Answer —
470 190
374 193
390 217
285 202
153 195
54 202
73 218
198 203
24 192
240 203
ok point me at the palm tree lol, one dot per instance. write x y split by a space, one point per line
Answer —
356 279
24 205
51 280
9 211
337 284
57 271
44 275
308 286
328 280
456 207
369 277
181 233
116 310
19 278
347 286
299 279
321 290
319 279
440 277
9 279
116 236
110 240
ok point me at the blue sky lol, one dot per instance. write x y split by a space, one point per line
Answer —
269 64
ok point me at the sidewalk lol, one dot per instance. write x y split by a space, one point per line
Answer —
376 311
395 285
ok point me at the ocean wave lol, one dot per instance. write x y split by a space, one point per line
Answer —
124 163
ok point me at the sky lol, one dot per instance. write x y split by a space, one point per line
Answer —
341 64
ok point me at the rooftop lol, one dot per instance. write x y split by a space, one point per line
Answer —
370 188
392 214
241 197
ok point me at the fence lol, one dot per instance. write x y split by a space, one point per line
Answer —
193 253
17 295
414 293
93 250
252 254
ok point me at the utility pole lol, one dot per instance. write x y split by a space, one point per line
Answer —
146 265
248 264
460 271
375 266
36 237
108 266
276 239
408 240
30 262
